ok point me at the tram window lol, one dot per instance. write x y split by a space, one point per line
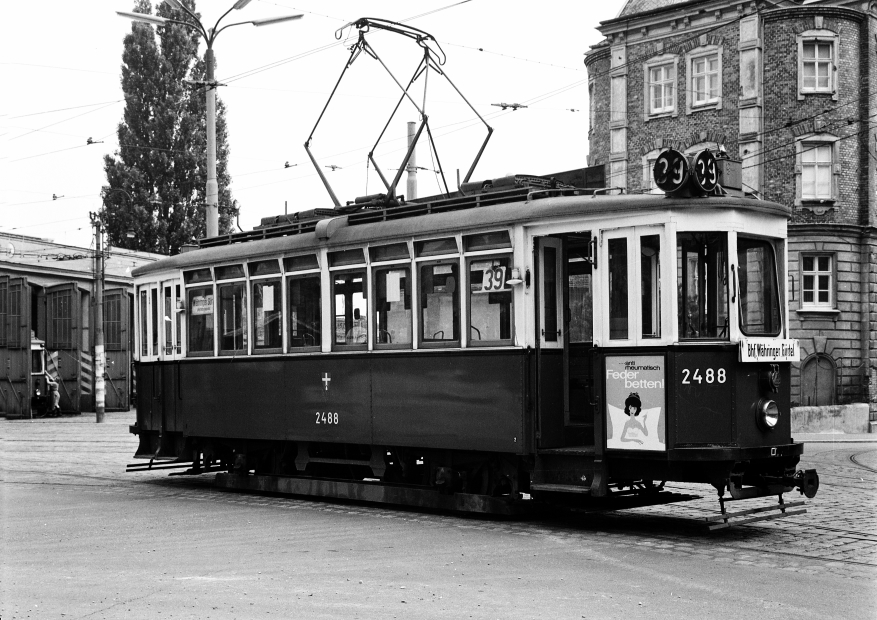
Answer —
758 290
168 322
490 301
439 303
349 309
301 263
487 241
650 275
267 315
346 257
197 275
618 283
304 312
178 317
233 318
436 247
581 303
702 285
263 267
392 287
200 322
549 290
154 321
229 271
394 251
144 334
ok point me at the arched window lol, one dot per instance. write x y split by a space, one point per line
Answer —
818 380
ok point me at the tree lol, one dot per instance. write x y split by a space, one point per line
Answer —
161 162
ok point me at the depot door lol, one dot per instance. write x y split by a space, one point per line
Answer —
15 376
118 365
71 365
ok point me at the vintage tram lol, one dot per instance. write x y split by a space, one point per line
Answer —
518 338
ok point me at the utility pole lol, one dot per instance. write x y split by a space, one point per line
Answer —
212 202
411 168
99 352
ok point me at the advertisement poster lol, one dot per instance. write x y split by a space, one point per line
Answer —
635 403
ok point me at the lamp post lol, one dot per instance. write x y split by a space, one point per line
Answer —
209 35
100 354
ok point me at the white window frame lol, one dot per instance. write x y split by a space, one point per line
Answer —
806 144
664 62
812 37
691 58
816 272
634 235
648 161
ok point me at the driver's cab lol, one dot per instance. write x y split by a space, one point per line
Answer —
615 299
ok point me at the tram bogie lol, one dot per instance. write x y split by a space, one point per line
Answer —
546 342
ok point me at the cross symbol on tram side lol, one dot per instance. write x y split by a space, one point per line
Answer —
326 378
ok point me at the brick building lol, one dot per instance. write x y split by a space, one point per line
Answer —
790 89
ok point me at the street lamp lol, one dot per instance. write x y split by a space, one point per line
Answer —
209 35
100 354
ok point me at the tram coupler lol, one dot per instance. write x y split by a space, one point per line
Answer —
807 482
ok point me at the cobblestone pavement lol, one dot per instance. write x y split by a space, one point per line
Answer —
837 535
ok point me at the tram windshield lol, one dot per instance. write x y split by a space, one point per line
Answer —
701 265
759 293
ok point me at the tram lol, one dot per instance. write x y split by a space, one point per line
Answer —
521 337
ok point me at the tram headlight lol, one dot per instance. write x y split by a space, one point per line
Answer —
768 414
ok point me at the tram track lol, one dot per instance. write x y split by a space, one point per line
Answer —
853 459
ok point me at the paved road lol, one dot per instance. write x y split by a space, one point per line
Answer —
82 539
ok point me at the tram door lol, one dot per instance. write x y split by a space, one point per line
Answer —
565 336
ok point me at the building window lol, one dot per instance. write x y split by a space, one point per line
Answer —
662 88
817 281
659 83
648 162
705 79
817 63
704 66
817 170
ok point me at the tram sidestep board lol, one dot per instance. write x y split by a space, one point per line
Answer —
373 492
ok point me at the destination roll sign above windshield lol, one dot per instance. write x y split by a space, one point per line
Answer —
769 350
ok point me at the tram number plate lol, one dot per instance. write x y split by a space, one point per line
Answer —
707 375
325 417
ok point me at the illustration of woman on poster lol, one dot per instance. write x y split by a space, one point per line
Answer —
634 429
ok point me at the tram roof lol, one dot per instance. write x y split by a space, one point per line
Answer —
342 232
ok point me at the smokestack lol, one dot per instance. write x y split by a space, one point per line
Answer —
411 169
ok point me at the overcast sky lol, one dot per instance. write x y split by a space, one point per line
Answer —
61 66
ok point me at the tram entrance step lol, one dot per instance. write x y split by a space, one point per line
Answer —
373 492
565 470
